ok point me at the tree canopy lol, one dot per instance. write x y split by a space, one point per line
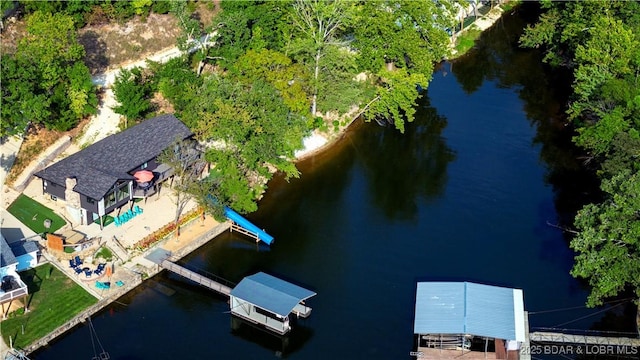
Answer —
276 65
392 43
46 82
600 43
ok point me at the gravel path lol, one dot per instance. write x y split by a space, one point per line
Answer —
105 122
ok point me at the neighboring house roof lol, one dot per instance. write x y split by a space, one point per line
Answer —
7 257
10 252
270 293
23 247
469 308
98 167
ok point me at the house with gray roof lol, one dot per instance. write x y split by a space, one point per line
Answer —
103 177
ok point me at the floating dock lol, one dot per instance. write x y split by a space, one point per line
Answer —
260 299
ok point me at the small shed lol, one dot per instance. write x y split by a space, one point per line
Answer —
449 315
265 300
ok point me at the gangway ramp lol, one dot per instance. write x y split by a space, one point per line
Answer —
553 337
162 258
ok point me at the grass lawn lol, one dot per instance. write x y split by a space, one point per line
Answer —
106 220
467 40
53 300
33 214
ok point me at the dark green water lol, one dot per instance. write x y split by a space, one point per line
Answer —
464 194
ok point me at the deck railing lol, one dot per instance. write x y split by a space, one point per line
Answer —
14 294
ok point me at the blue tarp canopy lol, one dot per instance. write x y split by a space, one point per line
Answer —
469 308
270 293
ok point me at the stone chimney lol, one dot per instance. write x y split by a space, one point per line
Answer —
71 197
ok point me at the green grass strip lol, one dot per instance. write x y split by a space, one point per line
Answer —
53 300
467 40
33 214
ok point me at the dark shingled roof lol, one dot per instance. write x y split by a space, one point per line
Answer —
20 248
99 166
6 254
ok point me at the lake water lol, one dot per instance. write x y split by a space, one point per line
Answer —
465 194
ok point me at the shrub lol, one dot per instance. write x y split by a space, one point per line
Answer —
167 230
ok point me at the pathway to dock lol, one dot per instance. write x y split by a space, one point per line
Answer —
561 338
162 258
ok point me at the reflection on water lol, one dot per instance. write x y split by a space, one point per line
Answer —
406 168
464 194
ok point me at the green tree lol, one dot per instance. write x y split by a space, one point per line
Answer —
396 100
184 158
608 239
51 43
81 91
22 101
132 91
319 23
399 43
177 82
289 78
245 25
141 7
250 132
599 41
45 82
408 34
195 36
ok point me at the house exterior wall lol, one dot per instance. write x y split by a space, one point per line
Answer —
54 189
89 204
149 165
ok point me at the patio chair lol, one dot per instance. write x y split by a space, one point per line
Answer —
101 266
137 210
97 272
72 264
78 261
78 270
123 218
88 272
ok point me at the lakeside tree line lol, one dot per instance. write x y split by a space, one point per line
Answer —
45 81
259 77
599 41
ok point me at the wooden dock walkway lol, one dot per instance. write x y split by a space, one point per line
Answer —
197 278
552 337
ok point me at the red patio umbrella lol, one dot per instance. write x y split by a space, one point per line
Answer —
143 176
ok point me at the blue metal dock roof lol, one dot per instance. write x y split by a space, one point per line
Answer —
469 308
270 293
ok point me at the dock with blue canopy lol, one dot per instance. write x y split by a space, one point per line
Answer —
268 301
